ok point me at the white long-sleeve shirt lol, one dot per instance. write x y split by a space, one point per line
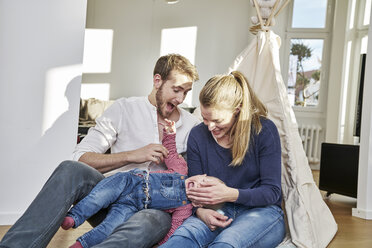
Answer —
129 124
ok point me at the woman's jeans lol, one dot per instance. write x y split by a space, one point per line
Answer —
124 194
69 183
256 227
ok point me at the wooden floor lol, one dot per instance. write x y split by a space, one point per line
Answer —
62 239
352 231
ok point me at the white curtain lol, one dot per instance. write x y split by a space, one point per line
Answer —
309 220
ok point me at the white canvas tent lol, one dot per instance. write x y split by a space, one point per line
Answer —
309 221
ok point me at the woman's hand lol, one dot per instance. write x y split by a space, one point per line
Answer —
212 191
212 218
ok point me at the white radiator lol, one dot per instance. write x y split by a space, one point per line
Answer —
310 140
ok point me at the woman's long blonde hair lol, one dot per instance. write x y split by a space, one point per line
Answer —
233 92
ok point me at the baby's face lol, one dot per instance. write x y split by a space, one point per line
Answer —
194 181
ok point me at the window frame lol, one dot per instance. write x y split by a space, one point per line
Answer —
354 35
311 33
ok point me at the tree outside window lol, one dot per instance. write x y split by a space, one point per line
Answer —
304 72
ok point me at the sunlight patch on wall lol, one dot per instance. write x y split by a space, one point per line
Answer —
367 12
352 14
61 89
97 50
181 41
364 45
345 88
100 91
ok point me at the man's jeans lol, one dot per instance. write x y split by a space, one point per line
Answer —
68 184
255 227
124 194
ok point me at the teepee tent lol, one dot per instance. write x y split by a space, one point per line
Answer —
310 223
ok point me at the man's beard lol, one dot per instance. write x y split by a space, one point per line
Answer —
160 103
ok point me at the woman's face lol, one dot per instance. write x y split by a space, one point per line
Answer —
219 121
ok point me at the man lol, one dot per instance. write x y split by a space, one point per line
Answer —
132 128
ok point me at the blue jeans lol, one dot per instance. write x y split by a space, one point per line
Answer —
251 227
69 183
124 195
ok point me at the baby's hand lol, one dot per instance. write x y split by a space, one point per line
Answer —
170 126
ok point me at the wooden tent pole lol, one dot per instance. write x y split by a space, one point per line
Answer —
258 13
281 8
272 13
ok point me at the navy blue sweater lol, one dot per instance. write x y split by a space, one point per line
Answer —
258 178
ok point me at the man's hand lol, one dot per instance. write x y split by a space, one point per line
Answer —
212 218
108 162
152 152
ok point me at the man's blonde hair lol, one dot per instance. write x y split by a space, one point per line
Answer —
233 92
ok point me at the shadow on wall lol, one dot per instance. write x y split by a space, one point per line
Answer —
57 142
38 154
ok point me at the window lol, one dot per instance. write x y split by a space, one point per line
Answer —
367 12
309 14
307 35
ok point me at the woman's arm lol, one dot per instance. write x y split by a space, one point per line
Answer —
268 191
194 162
210 217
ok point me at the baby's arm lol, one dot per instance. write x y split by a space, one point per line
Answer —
178 216
173 161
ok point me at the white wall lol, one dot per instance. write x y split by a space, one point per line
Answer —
41 49
222 33
364 203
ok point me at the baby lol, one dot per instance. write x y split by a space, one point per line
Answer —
126 193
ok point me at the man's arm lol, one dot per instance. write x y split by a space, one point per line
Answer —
91 150
108 162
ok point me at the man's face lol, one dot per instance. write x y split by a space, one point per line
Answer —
172 92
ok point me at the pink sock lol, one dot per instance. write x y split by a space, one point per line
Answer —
67 223
76 245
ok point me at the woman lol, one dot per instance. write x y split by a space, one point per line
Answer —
240 146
